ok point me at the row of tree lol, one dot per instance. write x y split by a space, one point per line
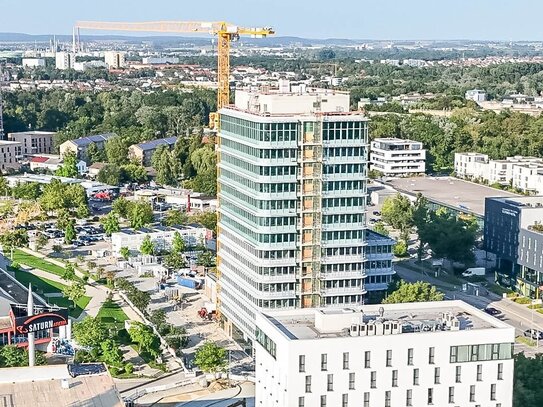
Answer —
447 235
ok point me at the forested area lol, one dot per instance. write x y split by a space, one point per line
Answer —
135 117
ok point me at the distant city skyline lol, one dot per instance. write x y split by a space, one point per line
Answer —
353 19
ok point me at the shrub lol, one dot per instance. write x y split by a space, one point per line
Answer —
15 265
129 368
522 300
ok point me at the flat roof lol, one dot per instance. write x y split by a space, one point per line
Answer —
455 193
394 140
42 386
413 317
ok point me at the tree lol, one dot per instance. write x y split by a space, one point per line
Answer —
147 247
140 299
94 154
116 151
527 389
5 190
111 354
41 241
208 219
211 358
158 317
134 173
175 217
120 206
420 219
13 238
380 228
449 237
175 260
413 292
124 252
400 249
110 174
69 232
90 332
74 292
69 166
69 272
178 243
326 54
110 223
145 338
206 259
140 214
165 166
57 248
397 211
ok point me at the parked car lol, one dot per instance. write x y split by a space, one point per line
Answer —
533 334
377 213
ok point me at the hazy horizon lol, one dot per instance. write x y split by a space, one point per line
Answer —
417 20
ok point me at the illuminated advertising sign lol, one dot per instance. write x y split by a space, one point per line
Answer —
41 322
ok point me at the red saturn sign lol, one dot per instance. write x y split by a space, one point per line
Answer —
41 322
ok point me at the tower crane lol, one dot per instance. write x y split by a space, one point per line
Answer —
225 32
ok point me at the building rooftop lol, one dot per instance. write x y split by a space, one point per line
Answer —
97 138
151 145
394 140
526 202
451 192
53 386
387 319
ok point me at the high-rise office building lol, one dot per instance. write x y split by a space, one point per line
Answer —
292 198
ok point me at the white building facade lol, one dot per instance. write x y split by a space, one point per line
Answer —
162 237
523 173
64 60
292 201
395 157
114 59
417 354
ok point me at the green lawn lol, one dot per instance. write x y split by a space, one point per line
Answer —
40 285
112 313
35 262
45 286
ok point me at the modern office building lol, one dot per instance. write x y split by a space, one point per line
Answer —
292 201
34 142
513 233
417 354
394 157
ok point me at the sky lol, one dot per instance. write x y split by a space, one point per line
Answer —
355 19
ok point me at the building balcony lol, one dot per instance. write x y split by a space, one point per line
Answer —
379 256
342 226
343 291
345 192
339 275
284 278
266 295
357 258
375 286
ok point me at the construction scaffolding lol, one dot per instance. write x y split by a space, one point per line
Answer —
311 169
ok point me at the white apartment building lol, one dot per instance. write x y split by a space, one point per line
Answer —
161 236
114 59
394 157
64 60
471 165
33 62
417 354
524 173
292 200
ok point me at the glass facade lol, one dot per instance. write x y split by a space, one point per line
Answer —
268 171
